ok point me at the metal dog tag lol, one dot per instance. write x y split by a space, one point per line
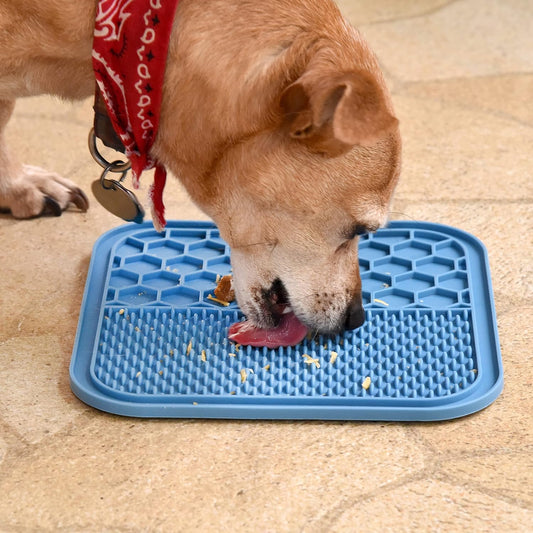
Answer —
117 199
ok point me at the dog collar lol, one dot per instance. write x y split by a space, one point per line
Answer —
130 47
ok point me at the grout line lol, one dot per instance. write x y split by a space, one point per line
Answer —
328 520
423 14
481 489
518 74
459 201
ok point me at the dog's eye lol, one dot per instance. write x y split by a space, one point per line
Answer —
358 229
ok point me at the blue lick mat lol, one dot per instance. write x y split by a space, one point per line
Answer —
151 344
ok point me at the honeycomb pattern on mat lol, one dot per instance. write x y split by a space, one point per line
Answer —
179 267
413 269
182 354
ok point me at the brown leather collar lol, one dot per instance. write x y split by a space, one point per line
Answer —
103 128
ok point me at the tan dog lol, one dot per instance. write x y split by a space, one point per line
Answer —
276 118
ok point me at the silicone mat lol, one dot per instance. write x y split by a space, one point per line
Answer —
150 343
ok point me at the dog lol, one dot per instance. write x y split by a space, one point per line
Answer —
276 118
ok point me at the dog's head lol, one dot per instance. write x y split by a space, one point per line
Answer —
292 195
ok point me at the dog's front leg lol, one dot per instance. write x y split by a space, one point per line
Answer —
29 191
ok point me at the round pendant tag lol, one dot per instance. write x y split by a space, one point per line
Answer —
118 200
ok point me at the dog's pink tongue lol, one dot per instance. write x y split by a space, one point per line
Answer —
290 331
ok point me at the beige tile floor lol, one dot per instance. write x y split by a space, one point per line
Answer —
461 73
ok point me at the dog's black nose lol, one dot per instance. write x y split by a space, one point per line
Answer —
355 315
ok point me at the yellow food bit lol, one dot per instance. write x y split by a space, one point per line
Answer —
195 403
310 361
333 357
171 353
121 312
233 392
366 383
243 375
267 368
380 302
204 358
137 328
232 355
138 374
189 348
160 372
216 300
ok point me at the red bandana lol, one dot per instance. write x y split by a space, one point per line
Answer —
130 47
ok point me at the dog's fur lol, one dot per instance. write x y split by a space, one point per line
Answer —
275 117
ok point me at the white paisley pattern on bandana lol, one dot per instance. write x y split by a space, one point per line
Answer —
130 48
107 12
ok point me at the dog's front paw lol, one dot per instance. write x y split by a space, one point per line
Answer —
36 192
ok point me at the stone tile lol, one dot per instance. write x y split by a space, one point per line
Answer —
363 12
36 400
3 450
506 96
429 505
453 152
77 113
185 476
508 475
463 39
53 142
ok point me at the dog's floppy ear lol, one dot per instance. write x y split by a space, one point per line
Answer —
331 114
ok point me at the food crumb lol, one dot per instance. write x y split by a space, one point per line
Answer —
378 301
333 357
121 311
243 375
160 372
366 383
195 403
138 375
216 300
233 392
267 368
232 355
310 361
204 358
137 328
189 348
